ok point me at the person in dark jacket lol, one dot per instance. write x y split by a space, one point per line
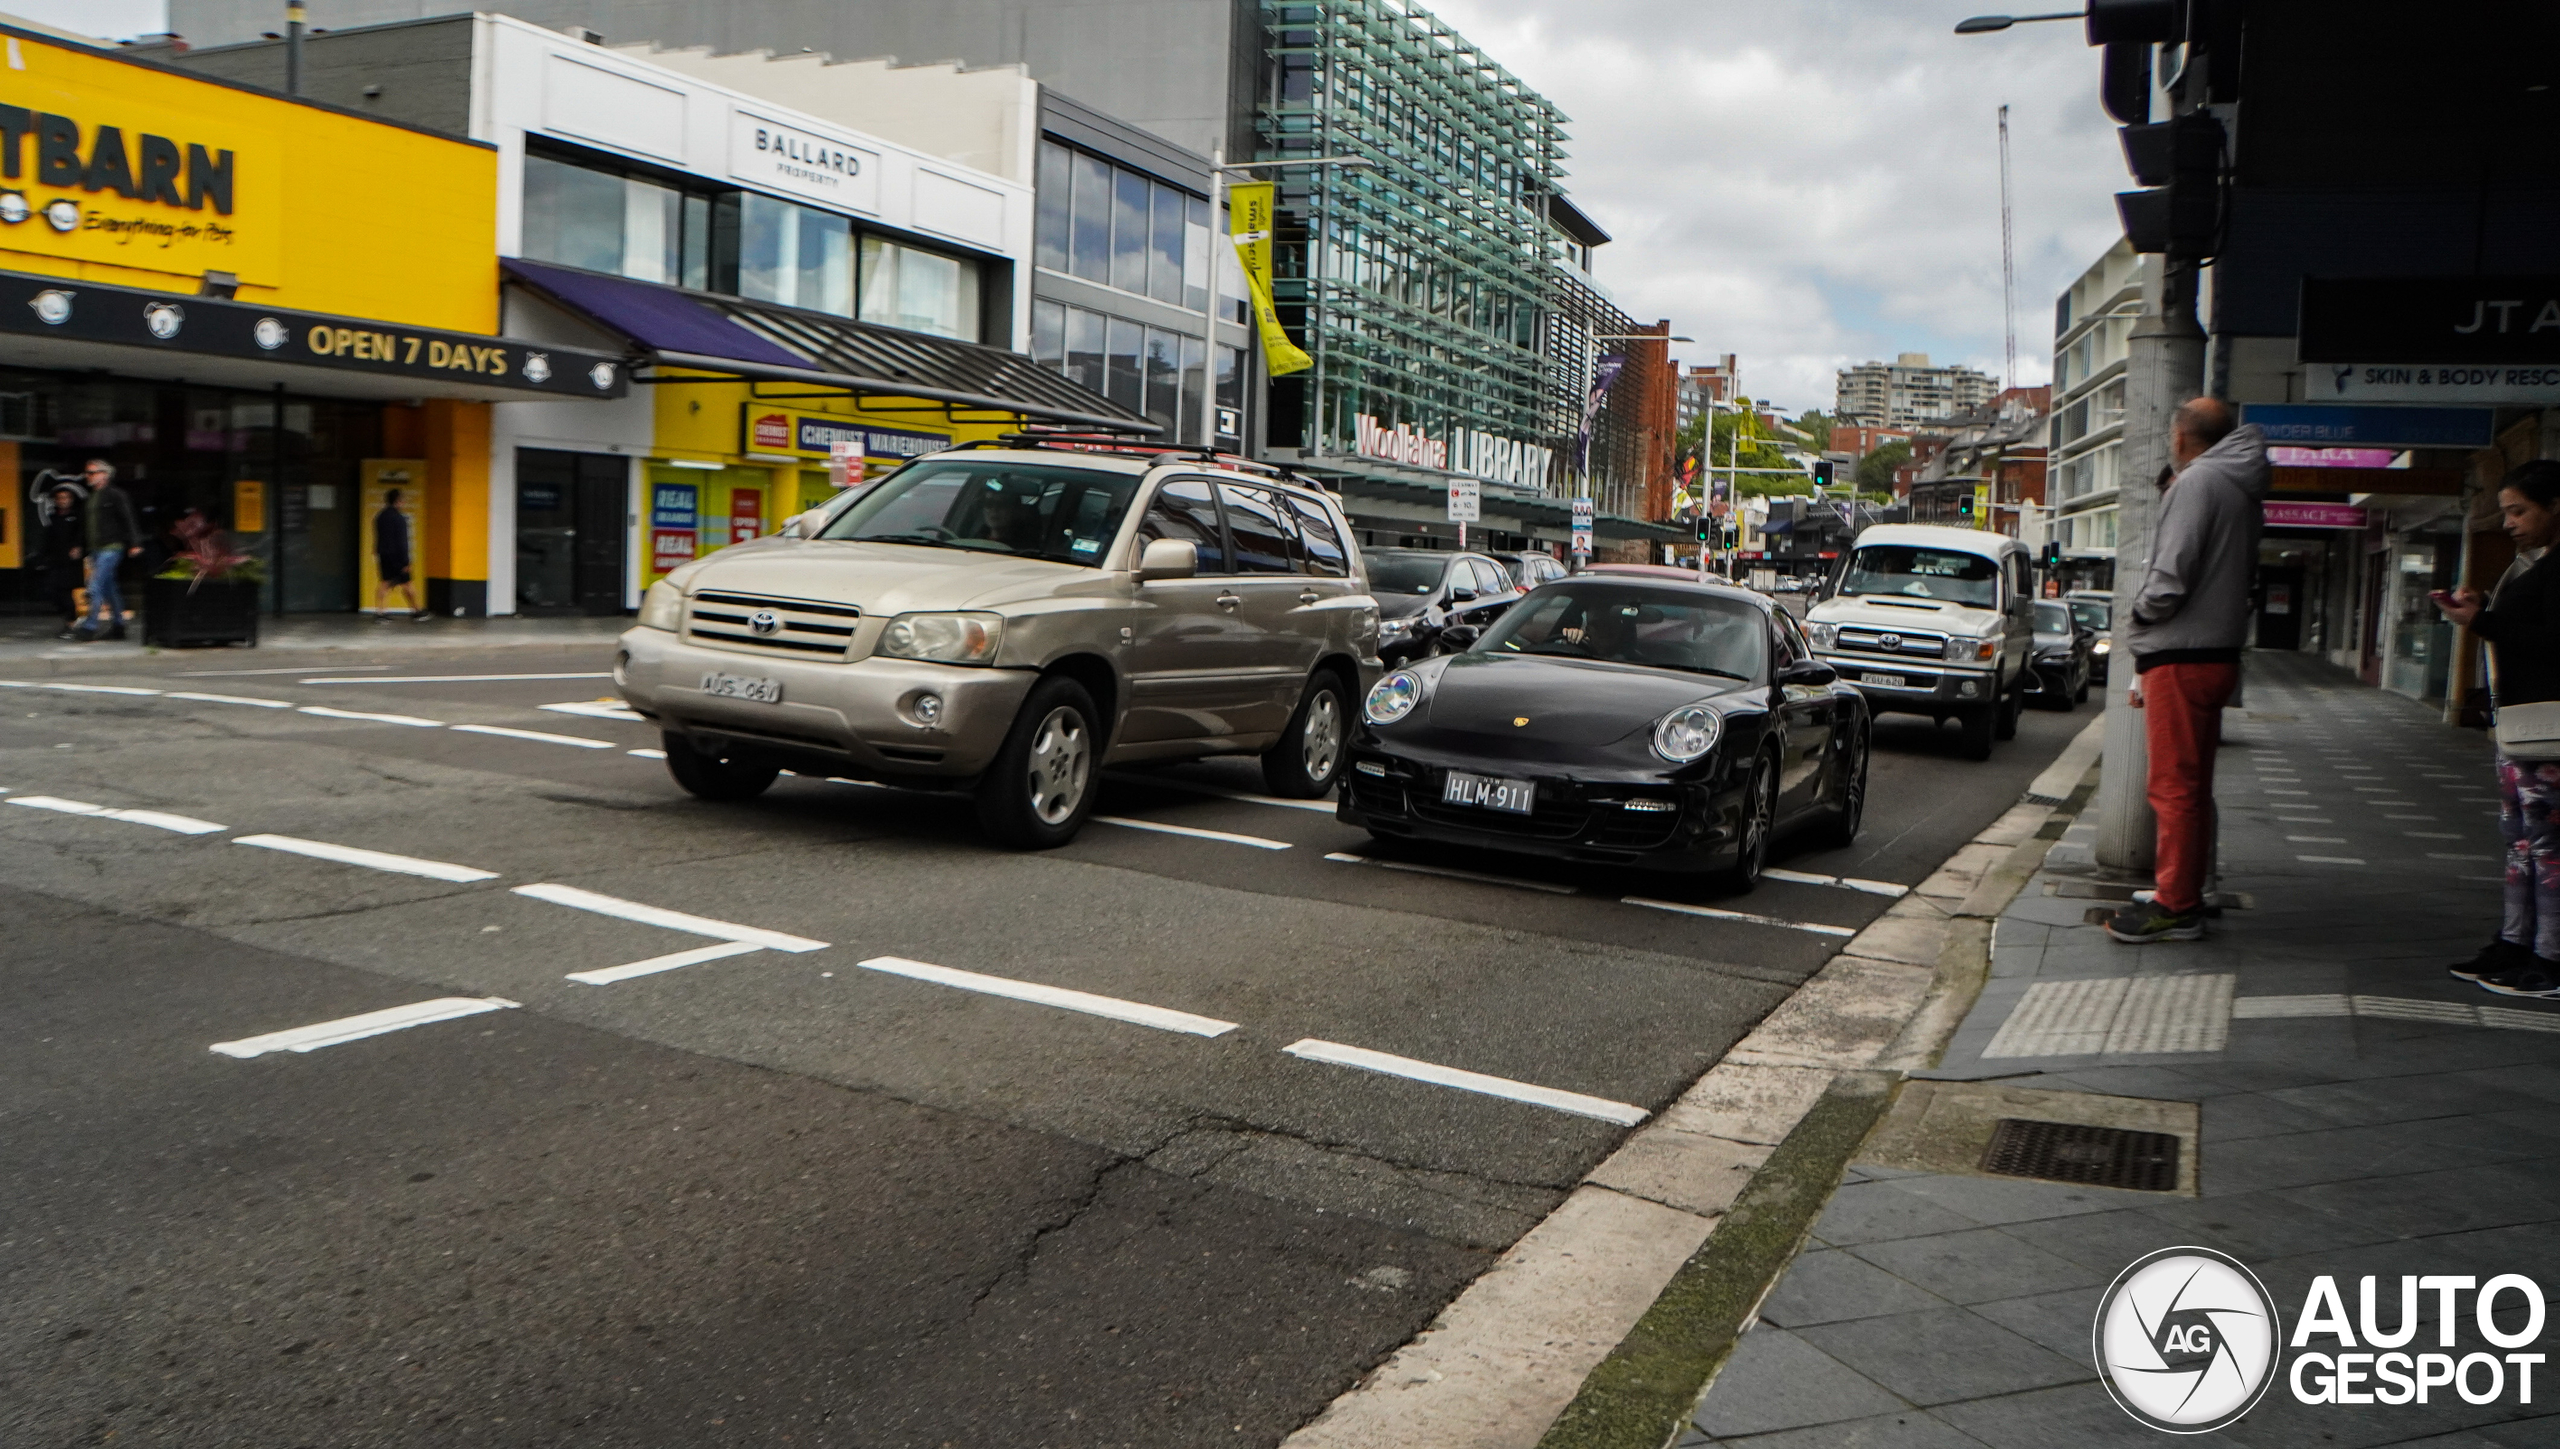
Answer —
391 561
59 548
2521 623
113 535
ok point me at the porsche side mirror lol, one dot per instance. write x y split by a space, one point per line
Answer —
1168 558
1807 671
1459 636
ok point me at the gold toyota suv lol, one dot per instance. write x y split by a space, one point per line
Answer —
1009 620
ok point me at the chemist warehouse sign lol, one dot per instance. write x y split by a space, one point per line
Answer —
2189 1340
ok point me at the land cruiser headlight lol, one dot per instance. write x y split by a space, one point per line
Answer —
662 607
1393 697
1685 734
944 638
1962 650
1825 636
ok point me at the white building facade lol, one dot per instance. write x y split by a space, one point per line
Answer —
2093 326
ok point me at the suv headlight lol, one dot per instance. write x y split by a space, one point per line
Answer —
1824 636
1393 697
1396 628
662 607
1964 651
944 638
1685 734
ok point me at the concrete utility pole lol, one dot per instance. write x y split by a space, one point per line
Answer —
2164 366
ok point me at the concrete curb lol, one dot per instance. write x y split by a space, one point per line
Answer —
1607 1319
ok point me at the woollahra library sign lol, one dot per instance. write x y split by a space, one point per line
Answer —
1486 456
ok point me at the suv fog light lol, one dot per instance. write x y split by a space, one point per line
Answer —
1969 689
927 709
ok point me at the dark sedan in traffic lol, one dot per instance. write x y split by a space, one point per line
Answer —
1421 591
1623 719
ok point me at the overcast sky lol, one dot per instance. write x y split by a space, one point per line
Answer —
1807 183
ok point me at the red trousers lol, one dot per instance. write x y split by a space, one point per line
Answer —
2182 710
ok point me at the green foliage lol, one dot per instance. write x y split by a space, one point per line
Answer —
1816 424
1875 471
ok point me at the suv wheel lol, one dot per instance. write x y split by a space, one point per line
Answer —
709 777
1308 758
1979 727
2005 713
1040 789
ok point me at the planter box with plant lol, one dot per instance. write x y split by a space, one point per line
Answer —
208 594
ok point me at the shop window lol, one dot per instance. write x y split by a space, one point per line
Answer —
602 221
921 291
795 255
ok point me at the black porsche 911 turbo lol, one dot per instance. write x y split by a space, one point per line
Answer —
1617 719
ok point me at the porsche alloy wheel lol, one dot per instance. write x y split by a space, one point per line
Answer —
1759 817
1852 815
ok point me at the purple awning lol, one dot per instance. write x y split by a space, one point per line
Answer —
660 319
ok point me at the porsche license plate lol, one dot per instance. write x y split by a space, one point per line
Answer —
742 686
1519 797
1893 681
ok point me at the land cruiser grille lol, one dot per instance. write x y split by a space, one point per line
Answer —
1901 643
797 626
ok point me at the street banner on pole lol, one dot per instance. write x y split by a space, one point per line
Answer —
1249 205
1582 526
1601 376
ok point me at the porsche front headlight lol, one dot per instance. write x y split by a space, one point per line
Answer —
662 607
1393 697
1685 734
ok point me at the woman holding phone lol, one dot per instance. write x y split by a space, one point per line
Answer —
2521 622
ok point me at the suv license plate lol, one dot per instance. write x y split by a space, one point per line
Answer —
1519 797
1893 680
740 686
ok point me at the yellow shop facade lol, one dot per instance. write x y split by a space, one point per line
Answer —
266 311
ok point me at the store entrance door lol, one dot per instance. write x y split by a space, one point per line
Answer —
569 531
2279 608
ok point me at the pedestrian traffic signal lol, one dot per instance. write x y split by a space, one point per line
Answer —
1822 473
1705 527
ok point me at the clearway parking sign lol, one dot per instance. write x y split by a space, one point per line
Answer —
1466 500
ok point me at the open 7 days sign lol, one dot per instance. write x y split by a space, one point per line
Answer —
2188 1340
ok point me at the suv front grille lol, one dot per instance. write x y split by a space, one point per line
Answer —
1906 644
798 626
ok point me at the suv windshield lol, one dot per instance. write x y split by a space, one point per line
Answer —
1923 573
1622 624
2092 613
1405 573
1029 510
2052 618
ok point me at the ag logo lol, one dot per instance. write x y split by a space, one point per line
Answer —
2186 1340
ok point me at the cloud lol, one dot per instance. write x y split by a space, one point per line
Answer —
1817 182
108 19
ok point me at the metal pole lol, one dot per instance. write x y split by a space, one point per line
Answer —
293 48
2164 366
1220 246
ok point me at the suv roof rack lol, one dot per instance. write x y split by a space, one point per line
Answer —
1117 446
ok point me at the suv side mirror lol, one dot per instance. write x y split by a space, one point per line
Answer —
1461 594
1168 558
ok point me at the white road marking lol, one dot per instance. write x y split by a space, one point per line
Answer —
231 699
451 678
1139 1013
668 962
2317 839
534 735
1724 915
2329 859
243 673
597 709
325 712
648 754
604 905
2440 855
369 859
356 1028
1452 873
1256 841
1366 1060
2431 835
1844 882
98 688
1200 788
158 820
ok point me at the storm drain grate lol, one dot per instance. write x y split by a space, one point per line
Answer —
2095 1156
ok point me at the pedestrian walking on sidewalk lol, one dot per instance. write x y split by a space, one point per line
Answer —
112 535
2184 628
2521 622
59 549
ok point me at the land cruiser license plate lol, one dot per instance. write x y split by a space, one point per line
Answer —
1519 797
1891 680
741 686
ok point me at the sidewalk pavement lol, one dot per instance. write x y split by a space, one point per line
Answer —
2343 1108
27 639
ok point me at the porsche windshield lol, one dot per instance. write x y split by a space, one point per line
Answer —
1028 510
1923 573
1632 624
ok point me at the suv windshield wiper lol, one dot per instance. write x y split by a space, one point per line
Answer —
921 540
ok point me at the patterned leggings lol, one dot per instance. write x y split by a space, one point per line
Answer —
2529 817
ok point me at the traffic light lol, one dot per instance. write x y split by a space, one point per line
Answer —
2053 553
1964 505
2179 161
1822 473
1705 526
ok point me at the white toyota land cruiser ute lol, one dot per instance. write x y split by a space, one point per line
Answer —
1931 620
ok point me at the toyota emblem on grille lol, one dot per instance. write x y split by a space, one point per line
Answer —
765 621
1890 641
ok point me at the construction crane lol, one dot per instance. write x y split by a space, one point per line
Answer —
2008 257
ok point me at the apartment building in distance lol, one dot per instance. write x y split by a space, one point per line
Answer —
2092 330
1909 393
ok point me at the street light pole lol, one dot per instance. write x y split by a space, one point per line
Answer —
1219 166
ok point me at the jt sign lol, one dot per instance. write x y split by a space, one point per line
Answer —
2431 319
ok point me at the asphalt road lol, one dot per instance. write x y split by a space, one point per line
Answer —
770 1193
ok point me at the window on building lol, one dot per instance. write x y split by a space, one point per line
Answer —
1085 339
1121 229
1153 371
796 255
602 221
1123 380
1089 241
1049 335
919 290
1053 201
1129 231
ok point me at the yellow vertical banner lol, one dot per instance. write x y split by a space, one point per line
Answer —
248 505
393 523
1249 212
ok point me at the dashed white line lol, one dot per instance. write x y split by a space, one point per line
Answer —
669 962
1256 841
325 712
451 678
98 688
1844 882
604 905
535 735
648 754
356 1028
2317 839
598 709
369 859
1624 1114
1452 873
2329 859
2440 855
230 699
2431 834
1224 792
1139 1013
1725 915
157 819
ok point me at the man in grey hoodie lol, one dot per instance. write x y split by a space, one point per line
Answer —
2184 630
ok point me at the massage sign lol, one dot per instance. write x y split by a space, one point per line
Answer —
137 191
